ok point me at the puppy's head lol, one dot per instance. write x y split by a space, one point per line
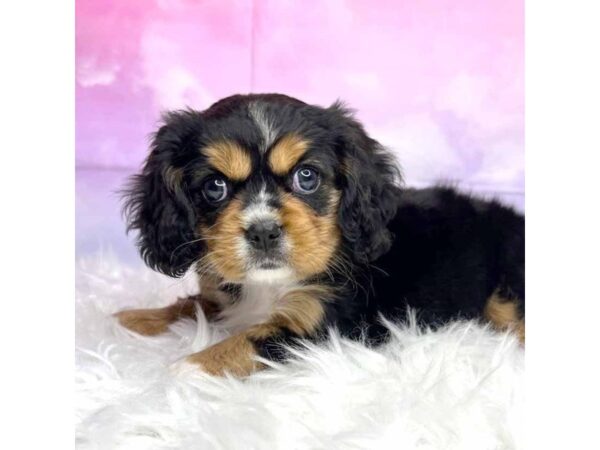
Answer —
260 187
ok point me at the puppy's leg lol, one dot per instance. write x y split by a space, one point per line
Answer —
150 322
300 315
503 313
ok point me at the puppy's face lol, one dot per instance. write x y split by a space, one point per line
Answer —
259 188
266 208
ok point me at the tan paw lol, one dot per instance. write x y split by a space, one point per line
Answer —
235 356
147 322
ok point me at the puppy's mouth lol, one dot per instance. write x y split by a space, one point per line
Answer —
270 265
267 261
270 272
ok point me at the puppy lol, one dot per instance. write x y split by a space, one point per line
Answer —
295 221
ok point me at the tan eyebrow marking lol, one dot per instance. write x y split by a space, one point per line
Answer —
229 158
286 153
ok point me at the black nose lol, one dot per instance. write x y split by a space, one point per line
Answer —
264 235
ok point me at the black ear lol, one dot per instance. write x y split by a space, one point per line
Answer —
156 204
370 180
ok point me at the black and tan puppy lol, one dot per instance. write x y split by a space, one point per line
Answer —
295 220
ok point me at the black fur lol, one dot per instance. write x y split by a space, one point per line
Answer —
165 218
436 250
369 189
450 253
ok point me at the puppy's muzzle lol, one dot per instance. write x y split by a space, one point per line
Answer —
264 235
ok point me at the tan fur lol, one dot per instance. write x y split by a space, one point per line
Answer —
301 311
314 238
286 153
234 355
222 241
150 322
504 315
230 159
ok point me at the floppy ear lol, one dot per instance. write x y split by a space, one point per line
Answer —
370 188
156 205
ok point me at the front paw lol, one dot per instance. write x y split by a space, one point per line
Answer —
234 355
147 322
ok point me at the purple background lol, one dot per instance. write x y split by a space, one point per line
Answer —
440 82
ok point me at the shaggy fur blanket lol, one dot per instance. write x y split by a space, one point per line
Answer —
460 387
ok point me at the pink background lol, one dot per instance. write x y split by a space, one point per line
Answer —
439 82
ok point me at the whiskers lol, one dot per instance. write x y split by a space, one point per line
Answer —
181 246
342 265
204 266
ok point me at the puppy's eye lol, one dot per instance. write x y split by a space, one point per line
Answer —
215 190
306 180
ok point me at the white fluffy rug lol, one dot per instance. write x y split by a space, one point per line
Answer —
457 388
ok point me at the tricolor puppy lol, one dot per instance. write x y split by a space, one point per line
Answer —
295 220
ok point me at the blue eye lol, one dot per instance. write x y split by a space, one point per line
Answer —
306 180
215 190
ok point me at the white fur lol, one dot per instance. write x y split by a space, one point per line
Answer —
270 276
264 124
259 210
258 299
183 368
460 387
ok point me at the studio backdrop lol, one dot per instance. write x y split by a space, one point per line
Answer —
440 82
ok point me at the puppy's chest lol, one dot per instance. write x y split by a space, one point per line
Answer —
253 303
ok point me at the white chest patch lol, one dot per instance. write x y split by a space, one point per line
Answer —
257 301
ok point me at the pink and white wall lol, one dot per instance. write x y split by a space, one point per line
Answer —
440 82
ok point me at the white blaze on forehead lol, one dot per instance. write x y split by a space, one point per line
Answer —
264 123
259 210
